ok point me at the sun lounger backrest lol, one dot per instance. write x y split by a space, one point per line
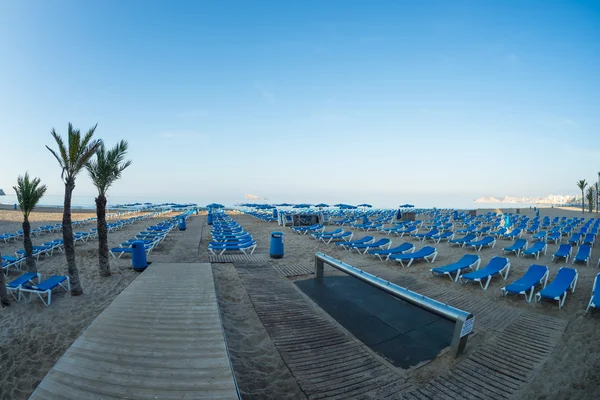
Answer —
562 281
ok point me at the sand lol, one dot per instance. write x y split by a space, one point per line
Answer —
260 371
573 368
33 337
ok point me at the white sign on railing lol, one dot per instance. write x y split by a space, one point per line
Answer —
467 327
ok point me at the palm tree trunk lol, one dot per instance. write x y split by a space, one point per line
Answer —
28 246
76 289
104 266
582 202
4 299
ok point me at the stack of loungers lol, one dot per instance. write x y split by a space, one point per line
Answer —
228 235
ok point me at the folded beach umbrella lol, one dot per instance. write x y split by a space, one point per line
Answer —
302 206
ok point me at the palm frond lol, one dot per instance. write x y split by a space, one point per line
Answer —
74 150
74 157
108 166
29 192
85 154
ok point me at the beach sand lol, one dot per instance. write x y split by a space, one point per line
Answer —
571 371
33 337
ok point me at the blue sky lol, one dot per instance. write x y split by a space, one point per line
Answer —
309 100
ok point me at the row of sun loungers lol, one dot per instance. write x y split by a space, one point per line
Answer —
30 283
228 235
151 237
534 284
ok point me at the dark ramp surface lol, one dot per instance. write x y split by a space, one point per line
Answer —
404 334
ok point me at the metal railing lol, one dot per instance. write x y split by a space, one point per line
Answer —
463 320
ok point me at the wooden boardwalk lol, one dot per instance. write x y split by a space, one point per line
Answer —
241 258
292 270
326 362
504 365
161 338
499 369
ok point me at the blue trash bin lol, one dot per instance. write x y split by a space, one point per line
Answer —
210 218
182 225
274 213
138 256
276 250
15 206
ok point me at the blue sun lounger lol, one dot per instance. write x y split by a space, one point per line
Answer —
496 266
557 290
423 236
468 261
305 229
344 236
517 247
540 236
426 253
221 248
461 241
123 250
590 239
564 251
408 231
583 254
37 251
381 244
535 250
575 239
364 240
488 241
499 232
9 261
467 230
45 288
320 235
554 237
535 275
446 235
514 234
402 249
595 300
15 285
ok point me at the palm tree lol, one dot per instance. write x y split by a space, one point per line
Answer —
590 198
104 171
29 192
72 157
581 185
4 299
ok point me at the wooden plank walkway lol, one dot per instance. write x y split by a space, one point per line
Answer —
238 258
291 270
498 370
327 362
160 338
